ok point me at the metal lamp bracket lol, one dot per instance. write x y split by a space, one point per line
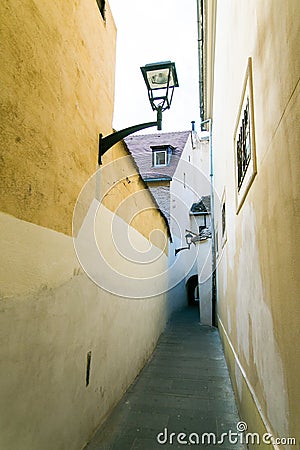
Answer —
105 143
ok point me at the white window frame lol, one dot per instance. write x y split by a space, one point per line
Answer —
217 241
155 154
250 171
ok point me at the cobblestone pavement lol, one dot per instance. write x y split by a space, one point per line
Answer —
184 388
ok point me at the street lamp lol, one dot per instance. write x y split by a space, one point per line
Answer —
188 240
160 79
192 238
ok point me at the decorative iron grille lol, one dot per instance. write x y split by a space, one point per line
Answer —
243 146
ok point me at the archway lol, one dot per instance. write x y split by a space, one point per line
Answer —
192 290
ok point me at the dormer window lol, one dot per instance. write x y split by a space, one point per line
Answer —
160 158
161 155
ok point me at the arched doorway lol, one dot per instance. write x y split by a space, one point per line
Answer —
192 290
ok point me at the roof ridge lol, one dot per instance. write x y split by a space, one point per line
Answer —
157 134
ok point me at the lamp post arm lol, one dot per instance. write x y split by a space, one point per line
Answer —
105 143
177 250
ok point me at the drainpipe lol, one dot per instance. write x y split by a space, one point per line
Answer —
212 218
213 237
200 58
200 20
203 128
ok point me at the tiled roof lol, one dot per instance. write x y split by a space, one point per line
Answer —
201 207
140 148
162 197
151 194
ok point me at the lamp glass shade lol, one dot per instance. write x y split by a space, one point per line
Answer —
160 75
202 221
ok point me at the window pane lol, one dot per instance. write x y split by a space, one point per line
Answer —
160 158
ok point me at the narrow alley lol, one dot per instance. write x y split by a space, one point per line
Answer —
150 242
184 388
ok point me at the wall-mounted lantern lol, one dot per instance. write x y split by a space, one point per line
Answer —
192 238
160 79
189 240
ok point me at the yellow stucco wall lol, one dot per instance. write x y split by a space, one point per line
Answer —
58 76
247 406
57 67
258 286
59 94
124 193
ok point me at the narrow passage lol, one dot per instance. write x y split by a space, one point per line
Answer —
185 388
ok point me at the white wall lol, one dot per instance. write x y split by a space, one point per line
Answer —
52 314
189 183
204 267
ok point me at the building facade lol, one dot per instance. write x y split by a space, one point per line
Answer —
251 66
175 167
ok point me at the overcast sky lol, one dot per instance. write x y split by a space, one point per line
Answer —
148 32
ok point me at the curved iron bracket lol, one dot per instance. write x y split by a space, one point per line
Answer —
177 250
105 143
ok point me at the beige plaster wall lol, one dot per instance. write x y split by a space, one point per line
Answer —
52 314
258 286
